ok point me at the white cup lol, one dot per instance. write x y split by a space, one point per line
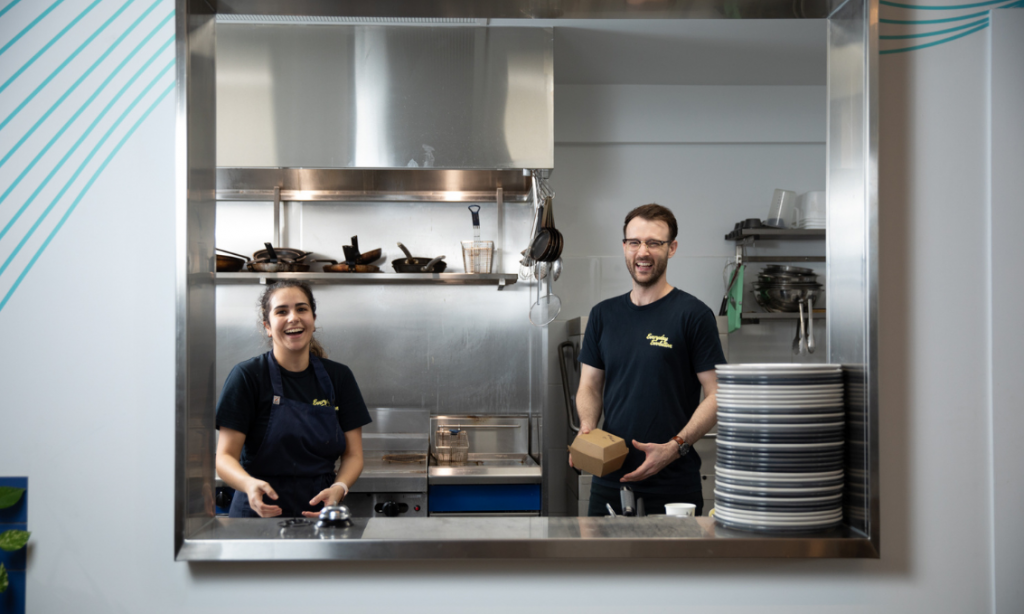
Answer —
680 509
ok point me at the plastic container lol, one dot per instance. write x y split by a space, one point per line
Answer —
477 256
782 211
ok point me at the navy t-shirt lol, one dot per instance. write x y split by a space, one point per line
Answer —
247 397
651 356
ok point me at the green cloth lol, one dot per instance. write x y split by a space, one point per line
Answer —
734 306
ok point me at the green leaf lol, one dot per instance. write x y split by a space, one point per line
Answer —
13 540
9 495
3 578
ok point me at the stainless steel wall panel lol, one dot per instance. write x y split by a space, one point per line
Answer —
368 97
370 185
418 11
194 292
449 349
852 245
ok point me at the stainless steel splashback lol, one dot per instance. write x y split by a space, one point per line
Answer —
446 348
343 96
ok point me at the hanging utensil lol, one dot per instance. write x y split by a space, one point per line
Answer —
803 332
546 309
796 340
810 325
725 298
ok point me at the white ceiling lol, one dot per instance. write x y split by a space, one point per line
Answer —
687 51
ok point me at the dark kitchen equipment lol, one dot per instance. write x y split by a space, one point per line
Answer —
333 266
369 257
394 477
230 264
292 255
278 267
412 264
547 245
275 262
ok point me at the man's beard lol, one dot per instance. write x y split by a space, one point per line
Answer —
657 271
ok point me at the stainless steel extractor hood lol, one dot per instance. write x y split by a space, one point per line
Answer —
438 113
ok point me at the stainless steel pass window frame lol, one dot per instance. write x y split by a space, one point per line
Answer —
852 325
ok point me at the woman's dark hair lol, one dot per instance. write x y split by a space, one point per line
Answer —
264 308
654 213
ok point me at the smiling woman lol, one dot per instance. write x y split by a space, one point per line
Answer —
286 417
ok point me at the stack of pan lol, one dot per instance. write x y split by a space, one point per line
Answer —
785 288
780 447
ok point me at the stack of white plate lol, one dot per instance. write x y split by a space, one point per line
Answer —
810 210
780 447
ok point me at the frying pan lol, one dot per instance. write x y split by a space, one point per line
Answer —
263 265
286 253
275 263
547 245
411 264
333 266
230 264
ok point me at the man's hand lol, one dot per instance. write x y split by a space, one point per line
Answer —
658 456
584 429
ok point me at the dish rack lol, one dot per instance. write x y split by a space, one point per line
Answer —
451 446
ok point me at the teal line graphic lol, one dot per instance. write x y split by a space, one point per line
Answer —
78 82
933 43
78 199
47 46
8 7
982 22
63 64
82 166
915 22
29 26
80 110
82 138
951 7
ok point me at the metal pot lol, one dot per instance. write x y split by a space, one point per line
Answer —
411 264
785 297
283 253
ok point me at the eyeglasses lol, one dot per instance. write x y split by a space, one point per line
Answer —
634 244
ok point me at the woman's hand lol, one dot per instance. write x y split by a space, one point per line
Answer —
255 490
332 495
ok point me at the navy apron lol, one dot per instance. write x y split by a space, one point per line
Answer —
299 451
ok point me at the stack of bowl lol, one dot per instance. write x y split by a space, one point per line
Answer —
780 447
783 288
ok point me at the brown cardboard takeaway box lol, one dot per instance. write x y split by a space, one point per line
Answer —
598 452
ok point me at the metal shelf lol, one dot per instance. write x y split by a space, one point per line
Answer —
769 234
783 259
450 279
755 317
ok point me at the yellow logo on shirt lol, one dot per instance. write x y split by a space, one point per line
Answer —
323 403
659 341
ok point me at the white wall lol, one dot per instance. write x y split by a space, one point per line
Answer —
712 154
88 408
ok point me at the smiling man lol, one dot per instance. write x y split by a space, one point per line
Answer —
646 357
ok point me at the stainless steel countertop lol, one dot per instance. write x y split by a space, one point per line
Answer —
262 539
